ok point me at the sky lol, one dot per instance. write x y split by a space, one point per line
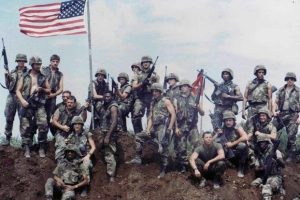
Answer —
186 35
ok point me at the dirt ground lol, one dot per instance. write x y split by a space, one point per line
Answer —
24 179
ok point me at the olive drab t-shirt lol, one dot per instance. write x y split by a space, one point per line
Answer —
206 153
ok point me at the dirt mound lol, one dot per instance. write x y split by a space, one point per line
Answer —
24 179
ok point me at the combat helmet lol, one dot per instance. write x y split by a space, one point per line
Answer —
185 82
172 76
138 65
260 67
72 147
35 60
228 115
21 57
265 111
146 59
123 75
77 120
101 71
229 71
157 86
290 75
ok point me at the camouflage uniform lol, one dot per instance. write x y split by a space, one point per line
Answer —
143 96
64 118
54 78
289 107
71 173
12 103
207 153
104 126
186 143
223 104
174 90
35 114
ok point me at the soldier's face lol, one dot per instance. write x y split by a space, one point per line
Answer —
21 63
229 123
290 81
146 65
65 97
70 104
135 69
77 128
171 82
156 93
185 89
208 139
107 98
263 117
70 155
100 77
54 63
122 80
226 76
260 74
36 67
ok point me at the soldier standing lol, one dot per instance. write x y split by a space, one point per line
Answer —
141 84
173 90
124 97
12 104
31 91
258 94
61 120
109 127
234 138
208 158
69 175
225 97
187 134
55 79
159 127
288 107
96 91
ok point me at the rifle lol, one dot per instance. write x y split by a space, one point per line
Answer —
220 88
5 65
197 100
114 85
165 79
146 81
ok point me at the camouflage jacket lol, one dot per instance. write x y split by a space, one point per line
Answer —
230 88
105 117
159 111
126 88
41 82
258 91
80 141
172 92
53 79
231 134
293 99
12 78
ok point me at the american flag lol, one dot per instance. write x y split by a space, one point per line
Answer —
66 18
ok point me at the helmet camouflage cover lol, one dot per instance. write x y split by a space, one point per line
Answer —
228 115
77 120
290 75
21 57
123 75
101 71
35 60
229 71
146 59
157 86
172 76
260 67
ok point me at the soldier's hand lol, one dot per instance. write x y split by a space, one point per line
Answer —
106 140
228 144
178 132
197 173
69 187
244 115
25 104
86 159
206 166
257 133
51 95
224 95
148 132
65 128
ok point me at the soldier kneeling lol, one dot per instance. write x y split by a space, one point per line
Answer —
69 175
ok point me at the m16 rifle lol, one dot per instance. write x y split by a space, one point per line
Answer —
145 82
5 66
165 79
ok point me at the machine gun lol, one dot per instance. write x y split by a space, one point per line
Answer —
145 82
219 88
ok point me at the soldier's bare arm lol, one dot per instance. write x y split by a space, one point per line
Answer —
245 101
60 88
243 137
84 182
114 118
171 110
59 182
56 123
192 161
19 89
95 95
220 156
149 122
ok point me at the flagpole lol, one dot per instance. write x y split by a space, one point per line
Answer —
201 103
90 61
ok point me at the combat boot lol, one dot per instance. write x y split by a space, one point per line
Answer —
112 179
241 170
42 150
182 169
291 157
216 181
136 160
202 182
6 141
27 151
162 172
84 191
48 197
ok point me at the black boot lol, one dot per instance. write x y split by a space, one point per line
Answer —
241 170
42 150
27 151
6 141
162 172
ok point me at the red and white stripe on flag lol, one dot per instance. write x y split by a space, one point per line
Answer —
66 18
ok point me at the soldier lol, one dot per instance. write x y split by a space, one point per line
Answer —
225 97
159 127
61 120
31 91
96 91
69 175
141 84
55 79
83 140
109 127
187 134
233 139
288 106
271 174
258 94
65 96
12 104
208 158
173 90
124 98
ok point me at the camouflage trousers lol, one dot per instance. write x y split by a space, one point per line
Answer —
109 152
289 120
50 108
217 118
34 117
252 111
137 113
217 168
60 146
185 145
11 107
50 186
273 184
240 151
158 138
124 109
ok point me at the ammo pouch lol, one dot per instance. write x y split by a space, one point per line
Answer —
70 177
